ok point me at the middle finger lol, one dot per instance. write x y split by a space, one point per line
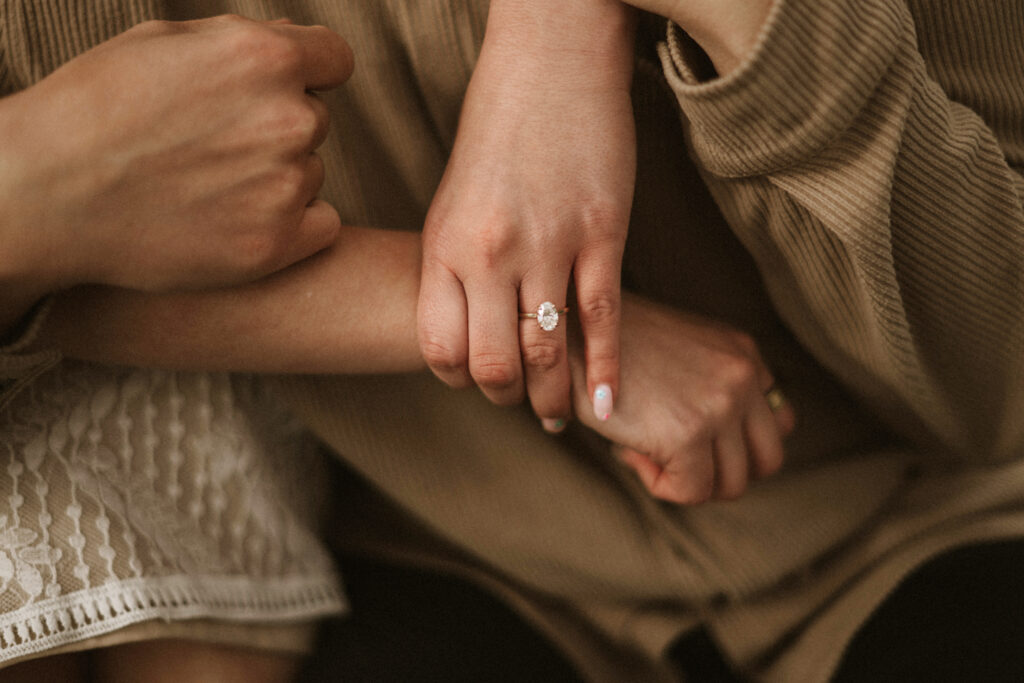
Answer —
494 360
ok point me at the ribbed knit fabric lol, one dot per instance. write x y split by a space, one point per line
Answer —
873 200
864 223
902 281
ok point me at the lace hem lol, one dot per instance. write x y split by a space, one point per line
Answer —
97 611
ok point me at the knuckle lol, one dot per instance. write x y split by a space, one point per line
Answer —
229 18
769 461
291 185
700 490
440 356
718 404
693 490
692 432
327 224
493 246
495 372
282 194
323 33
732 489
737 374
603 217
599 310
745 343
295 124
268 51
543 354
306 121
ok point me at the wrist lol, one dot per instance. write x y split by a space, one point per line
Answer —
584 39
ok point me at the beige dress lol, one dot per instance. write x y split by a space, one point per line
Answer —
135 497
864 222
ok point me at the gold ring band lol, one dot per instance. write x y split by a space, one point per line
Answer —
776 399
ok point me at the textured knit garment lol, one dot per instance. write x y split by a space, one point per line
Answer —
136 495
867 159
864 223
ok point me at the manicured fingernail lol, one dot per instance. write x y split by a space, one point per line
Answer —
603 402
553 425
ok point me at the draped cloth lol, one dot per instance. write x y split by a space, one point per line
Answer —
851 196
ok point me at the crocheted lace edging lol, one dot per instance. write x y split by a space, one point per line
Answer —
97 611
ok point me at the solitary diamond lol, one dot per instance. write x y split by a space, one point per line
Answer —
547 316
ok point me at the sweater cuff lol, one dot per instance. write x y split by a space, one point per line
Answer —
814 67
19 362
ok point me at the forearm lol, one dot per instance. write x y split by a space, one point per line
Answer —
350 309
32 263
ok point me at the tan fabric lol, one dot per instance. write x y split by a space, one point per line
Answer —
868 159
138 496
883 218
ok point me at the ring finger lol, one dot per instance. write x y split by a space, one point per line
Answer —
543 345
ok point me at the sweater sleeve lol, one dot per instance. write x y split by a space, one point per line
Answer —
885 215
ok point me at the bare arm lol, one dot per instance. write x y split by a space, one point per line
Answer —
352 309
349 309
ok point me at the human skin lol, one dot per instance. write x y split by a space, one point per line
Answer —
158 661
349 309
538 191
123 167
352 309
707 442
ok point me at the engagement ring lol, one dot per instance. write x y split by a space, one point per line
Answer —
546 315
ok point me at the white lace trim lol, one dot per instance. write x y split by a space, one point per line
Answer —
97 611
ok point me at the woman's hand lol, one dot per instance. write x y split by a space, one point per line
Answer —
694 421
538 190
175 155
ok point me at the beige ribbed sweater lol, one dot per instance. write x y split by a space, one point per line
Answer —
868 158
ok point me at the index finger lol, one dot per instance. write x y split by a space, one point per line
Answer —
327 59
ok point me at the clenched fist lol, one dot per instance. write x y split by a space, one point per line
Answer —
176 155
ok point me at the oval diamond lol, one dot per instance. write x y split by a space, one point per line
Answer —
547 316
